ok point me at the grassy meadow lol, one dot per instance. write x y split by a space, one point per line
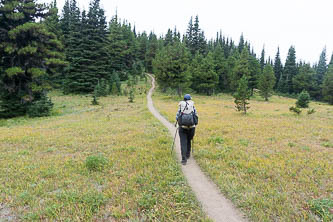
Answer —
47 168
273 164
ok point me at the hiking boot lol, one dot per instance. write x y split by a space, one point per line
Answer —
188 156
184 161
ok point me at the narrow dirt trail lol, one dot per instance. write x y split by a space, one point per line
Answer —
215 205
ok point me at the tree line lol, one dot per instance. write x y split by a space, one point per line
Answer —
81 52
218 65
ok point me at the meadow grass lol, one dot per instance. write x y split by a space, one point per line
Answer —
273 164
93 163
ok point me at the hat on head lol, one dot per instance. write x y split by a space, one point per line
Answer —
187 97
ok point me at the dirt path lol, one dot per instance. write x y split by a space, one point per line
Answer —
215 205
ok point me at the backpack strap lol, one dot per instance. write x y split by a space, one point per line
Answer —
185 107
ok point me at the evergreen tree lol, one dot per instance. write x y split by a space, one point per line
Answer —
53 25
28 54
221 67
171 67
305 80
331 62
266 82
242 95
290 70
241 69
303 100
168 38
328 85
241 44
65 20
151 52
195 38
189 34
254 72
87 49
278 68
142 42
204 77
321 68
232 62
262 59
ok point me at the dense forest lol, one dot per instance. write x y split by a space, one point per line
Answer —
80 52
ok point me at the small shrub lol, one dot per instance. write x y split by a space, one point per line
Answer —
96 163
41 107
94 101
303 100
131 95
311 111
295 110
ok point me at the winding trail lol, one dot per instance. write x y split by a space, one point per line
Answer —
215 205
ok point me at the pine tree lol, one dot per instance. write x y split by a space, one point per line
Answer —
254 72
142 42
266 82
241 44
242 95
262 59
328 85
221 68
86 49
241 69
28 54
303 100
278 68
171 67
53 25
168 38
305 80
290 70
189 34
331 62
204 77
151 52
321 68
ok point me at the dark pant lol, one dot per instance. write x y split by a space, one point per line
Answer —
186 135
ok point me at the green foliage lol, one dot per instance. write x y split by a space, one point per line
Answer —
30 53
278 68
94 102
171 67
305 80
328 85
290 70
321 68
204 77
86 47
303 100
322 208
311 111
96 162
241 69
131 96
266 82
101 88
40 107
242 95
295 109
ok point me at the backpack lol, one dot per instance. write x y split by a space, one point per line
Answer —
187 116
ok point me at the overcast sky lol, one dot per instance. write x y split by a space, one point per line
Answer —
306 24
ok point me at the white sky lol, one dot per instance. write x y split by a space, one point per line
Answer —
306 24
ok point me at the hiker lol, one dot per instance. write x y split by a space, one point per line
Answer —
187 119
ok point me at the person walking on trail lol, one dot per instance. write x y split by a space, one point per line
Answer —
187 119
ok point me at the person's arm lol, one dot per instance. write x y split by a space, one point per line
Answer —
178 113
